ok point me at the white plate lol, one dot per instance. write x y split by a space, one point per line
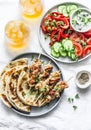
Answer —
45 43
39 111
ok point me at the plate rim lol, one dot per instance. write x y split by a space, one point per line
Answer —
58 100
39 30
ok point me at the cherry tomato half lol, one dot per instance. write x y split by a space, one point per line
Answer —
89 41
77 37
88 34
87 49
78 49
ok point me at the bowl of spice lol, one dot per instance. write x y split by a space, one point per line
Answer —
83 79
81 20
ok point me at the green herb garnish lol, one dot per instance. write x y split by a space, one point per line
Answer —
74 22
37 79
70 100
42 89
46 36
32 58
46 22
74 107
77 96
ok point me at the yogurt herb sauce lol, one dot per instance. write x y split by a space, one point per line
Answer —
81 20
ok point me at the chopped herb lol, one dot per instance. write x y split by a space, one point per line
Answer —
72 100
77 96
37 79
33 57
57 88
42 89
74 22
46 22
74 107
46 36
35 93
69 100
89 19
79 11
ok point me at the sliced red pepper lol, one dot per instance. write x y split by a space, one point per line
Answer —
48 18
43 28
51 43
57 16
60 34
66 23
53 37
54 29
65 35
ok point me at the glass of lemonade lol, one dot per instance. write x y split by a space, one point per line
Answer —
17 35
31 9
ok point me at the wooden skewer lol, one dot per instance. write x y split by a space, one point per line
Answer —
38 97
39 55
69 79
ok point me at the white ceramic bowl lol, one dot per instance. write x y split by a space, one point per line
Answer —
74 15
87 84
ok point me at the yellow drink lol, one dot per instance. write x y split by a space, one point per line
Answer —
17 34
31 8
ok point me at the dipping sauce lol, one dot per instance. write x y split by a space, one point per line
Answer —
84 78
81 20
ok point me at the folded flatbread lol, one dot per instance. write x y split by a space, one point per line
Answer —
11 67
11 87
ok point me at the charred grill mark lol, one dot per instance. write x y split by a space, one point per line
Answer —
26 69
12 89
20 88
5 98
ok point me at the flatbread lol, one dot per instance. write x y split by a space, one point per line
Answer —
11 86
25 92
11 67
12 64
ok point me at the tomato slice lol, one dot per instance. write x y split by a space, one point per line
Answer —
89 41
87 49
88 34
77 37
78 49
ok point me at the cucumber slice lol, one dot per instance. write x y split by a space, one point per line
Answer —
62 52
68 8
65 13
67 44
73 7
69 54
54 54
56 46
60 8
71 12
73 56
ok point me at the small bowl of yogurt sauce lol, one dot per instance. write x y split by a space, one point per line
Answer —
83 79
81 20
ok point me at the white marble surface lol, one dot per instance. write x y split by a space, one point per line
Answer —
63 117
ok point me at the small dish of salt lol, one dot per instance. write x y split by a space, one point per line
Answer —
83 79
